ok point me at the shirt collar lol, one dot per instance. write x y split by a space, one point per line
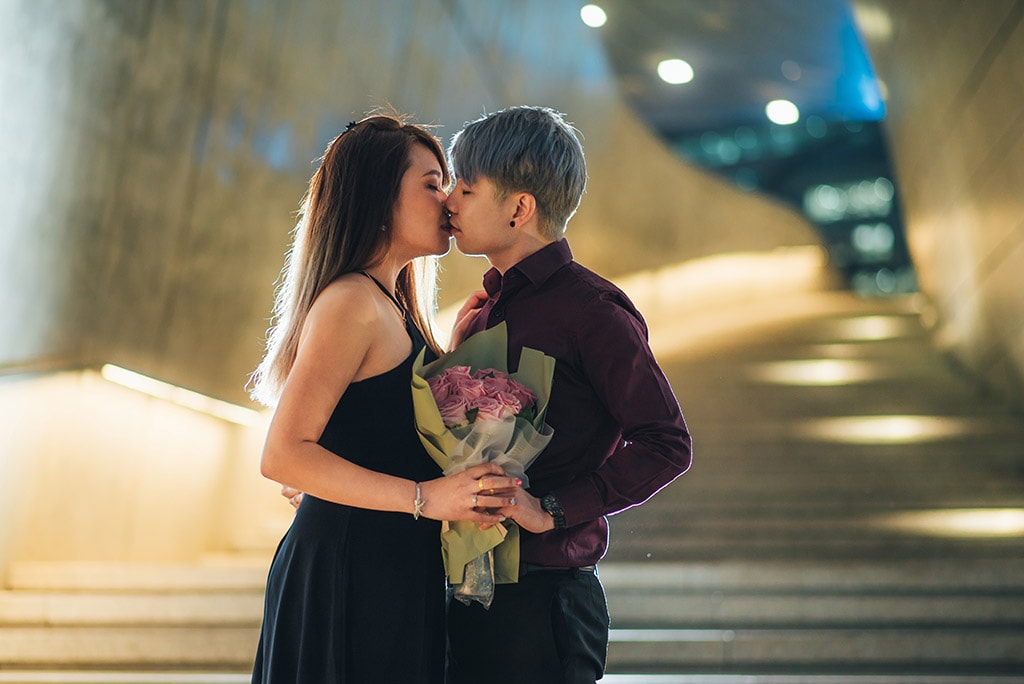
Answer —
537 267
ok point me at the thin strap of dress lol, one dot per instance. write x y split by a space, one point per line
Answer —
410 327
387 292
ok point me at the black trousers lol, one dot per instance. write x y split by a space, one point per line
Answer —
550 628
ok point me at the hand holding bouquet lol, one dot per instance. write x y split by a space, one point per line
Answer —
470 410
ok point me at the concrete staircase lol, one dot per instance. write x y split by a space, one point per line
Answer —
810 622
854 620
786 552
774 561
130 617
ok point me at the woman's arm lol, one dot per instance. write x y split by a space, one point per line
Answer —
342 335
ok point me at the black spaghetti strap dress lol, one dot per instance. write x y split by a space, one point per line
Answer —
356 596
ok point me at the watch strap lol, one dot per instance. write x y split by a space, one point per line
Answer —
550 504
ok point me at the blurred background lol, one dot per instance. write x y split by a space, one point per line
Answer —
784 187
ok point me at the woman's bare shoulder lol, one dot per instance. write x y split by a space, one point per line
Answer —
347 299
346 306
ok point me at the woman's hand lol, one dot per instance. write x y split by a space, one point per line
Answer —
465 317
526 511
293 495
470 494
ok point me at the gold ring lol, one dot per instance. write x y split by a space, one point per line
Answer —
490 491
480 484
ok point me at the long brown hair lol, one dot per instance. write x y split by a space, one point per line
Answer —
344 227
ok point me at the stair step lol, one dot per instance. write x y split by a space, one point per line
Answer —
98 576
717 609
628 607
829 650
69 608
946 574
101 677
221 648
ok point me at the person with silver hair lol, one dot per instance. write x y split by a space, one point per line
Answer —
619 434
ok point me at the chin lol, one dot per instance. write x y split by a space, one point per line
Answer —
470 252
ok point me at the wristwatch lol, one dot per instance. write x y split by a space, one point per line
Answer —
550 504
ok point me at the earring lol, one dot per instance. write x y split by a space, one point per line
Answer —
383 229
511 224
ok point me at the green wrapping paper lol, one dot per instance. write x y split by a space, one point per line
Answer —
512 445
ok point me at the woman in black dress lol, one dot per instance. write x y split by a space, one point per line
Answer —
356 589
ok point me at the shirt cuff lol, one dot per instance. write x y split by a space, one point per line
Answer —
581 502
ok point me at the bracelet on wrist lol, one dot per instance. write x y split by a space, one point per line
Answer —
418 503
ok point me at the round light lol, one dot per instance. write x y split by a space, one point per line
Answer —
791 70
816 372
782 112
959 522
593 16
867 430
675 71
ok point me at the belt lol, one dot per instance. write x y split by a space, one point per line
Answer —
528 568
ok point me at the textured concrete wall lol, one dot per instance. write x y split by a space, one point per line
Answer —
157 151
955 75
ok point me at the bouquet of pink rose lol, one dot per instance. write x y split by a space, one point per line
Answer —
488 395
465 417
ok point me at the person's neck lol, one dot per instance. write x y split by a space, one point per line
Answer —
386 273
528 245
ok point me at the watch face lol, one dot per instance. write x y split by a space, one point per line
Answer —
550 504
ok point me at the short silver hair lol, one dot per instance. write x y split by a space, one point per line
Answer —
526 149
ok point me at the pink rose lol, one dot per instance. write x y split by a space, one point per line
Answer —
453 411
440 387
490 409
469 388
495 384
522 393
458 371
510 402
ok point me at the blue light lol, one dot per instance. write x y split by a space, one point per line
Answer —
857 89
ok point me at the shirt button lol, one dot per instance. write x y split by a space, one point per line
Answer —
498 315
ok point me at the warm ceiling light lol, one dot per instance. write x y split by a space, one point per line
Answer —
593 16
958 522
782 112
872 328
874 22
179 395
675 71
885 429
812 372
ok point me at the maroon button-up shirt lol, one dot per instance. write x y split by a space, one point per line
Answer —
619 435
